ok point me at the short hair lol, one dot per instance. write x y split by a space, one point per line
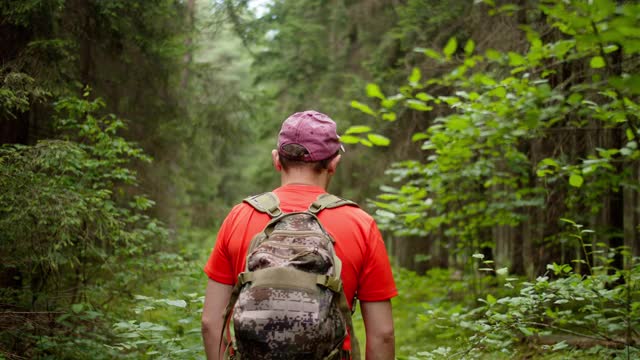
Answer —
292 156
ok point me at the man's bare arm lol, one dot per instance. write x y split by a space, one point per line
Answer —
215 301
378 323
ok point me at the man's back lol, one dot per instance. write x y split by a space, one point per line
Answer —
358 244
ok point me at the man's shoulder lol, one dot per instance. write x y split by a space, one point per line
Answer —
353 213
239 207
239 210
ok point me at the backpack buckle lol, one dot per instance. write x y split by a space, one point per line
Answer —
315 207
329 282
245 277
274 211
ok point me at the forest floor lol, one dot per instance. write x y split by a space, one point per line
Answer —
168 312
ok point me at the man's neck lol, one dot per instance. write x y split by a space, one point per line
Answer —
295 177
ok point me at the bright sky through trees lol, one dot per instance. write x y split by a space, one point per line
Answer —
259 6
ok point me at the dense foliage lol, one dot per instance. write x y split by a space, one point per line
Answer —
73 238
79 232
484 166
493 160
499 154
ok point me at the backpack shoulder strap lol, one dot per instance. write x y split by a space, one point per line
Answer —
267 203
329 201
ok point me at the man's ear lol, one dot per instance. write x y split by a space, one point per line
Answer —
333 164
275 159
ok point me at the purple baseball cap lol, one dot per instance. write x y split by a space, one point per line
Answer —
314 131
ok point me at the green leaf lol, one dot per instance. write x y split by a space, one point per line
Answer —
177 303
508 8
389 189
493 55
491 299
415 76
576 180
549 162
385 213
630 135
627 83
469 47
388 103
525 331
76 308
357 129
387 197
458 123
373 90
451 47
424 96
575 99
543 173
559 346
366 142
362 107
378 140
389 116
499 92
432 54
516 59
419 136
418 105
597 62
349 139
485 79
478 256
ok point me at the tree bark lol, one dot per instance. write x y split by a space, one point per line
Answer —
188 56
616 200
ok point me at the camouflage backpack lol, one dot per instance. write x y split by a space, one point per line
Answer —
289 302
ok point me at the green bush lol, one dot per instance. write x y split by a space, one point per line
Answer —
74 232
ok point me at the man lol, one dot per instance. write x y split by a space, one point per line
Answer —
307 157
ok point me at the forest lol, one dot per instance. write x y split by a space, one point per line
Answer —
494 142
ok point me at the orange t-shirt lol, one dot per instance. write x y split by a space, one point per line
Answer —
358 243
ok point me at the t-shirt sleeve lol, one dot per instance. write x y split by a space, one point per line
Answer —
218 267
376 280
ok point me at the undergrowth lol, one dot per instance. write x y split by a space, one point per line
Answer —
439 315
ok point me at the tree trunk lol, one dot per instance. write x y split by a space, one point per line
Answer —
82 9
631 216
188 56
616 196
414 253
